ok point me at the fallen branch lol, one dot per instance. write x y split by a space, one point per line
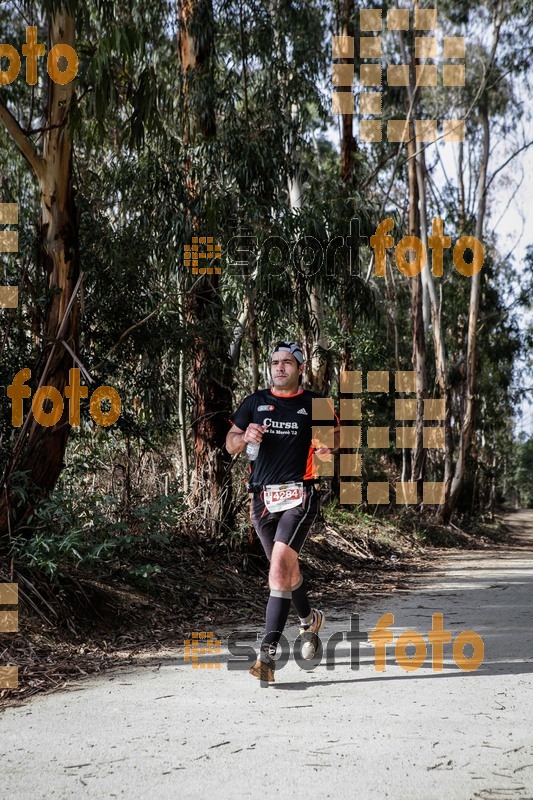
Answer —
365 556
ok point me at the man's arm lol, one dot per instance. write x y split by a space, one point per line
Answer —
237 439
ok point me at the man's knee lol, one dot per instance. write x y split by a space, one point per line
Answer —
279 571
295 574
282 564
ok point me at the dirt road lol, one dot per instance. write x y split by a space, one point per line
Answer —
166 730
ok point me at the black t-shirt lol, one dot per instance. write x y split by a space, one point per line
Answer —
285 453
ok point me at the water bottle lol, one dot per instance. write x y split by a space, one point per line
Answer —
252 448
252 451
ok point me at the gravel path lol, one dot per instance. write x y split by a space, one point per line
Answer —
165 730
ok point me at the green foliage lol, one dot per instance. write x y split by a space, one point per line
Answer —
523 477
76 529
71 534
146 181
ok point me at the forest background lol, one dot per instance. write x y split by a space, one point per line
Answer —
201 118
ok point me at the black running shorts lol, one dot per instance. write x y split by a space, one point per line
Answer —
290 527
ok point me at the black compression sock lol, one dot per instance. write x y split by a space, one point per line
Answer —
301 602
277 612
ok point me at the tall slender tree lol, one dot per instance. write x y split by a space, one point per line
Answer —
210 365
40 450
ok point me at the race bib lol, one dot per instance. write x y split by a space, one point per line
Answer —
281 496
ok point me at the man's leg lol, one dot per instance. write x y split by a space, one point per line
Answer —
293 529
300 600
266 529
282 564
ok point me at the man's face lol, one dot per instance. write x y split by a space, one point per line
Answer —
285 370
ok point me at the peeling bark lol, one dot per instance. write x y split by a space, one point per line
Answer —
40 450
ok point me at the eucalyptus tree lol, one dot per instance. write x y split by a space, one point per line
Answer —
45 121
439 319
494 71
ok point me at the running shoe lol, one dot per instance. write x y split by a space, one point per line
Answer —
264 670
309 634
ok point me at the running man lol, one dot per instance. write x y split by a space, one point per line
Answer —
285 500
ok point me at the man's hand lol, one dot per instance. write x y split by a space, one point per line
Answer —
323 453
254 433
237 439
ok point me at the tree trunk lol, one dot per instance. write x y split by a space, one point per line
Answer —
320 368
254 339
469 385
438 337
315 342
210 366
419 339
392 307
40 450
467 427
415 283
182 410
209 386
348 142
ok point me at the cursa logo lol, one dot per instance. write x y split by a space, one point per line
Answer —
272 423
